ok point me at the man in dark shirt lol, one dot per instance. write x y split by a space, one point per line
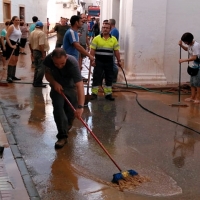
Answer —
62 72
61 30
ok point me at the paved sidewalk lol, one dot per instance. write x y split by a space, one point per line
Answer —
12 186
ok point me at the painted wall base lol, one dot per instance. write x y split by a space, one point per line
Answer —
143 79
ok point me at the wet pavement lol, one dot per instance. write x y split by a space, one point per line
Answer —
164 151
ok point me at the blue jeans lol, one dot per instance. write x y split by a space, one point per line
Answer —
115 70
39 67
62 112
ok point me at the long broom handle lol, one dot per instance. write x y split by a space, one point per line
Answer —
101 145
179 91
89 74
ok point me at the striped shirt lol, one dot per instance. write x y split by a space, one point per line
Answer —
104 48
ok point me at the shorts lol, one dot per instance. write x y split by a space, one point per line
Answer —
195 80
23 42
84 46
91 33
3 52
9 50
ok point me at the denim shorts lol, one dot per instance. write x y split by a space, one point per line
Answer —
195 80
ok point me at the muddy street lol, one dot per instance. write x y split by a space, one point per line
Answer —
165 152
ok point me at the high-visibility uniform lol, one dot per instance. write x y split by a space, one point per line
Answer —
104 51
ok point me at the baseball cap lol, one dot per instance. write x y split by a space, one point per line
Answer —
38 24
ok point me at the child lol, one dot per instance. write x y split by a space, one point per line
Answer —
193 49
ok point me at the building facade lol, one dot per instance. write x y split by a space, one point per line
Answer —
24 9
67 8
149 35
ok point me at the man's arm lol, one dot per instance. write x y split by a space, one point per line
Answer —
192 58
41 44
81 98
182 46
117 55
51 31
53 83
80 92
82 50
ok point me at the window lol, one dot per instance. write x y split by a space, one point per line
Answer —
6 10
21 12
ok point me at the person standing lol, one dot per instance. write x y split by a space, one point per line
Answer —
38 46
24 30
3 42
114 32
62 72
103 47
71 39
32 28
91 24
96 28
83 39
13 37
61 30
48 24
193 49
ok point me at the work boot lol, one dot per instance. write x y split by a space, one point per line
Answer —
60 143
93 97
9 74
9 80
14 78
109 97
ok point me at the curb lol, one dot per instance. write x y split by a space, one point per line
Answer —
17 157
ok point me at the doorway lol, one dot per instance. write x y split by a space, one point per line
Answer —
6 10
22 12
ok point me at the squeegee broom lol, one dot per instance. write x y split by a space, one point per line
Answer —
123 175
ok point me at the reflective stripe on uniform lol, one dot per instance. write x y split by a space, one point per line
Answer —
107 90
104 53
104 46
95 90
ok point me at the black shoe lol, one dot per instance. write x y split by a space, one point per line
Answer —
15 78
93 97
60 143
9 80
109 97
40 85
69 128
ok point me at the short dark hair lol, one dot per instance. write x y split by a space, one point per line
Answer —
35 19
58 53
187 37
112 21
105 21
74 19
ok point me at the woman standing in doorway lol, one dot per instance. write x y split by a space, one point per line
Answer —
13 37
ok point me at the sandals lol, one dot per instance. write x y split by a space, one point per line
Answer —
192 100
196 101
189 99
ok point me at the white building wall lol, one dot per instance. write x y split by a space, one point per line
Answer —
32 7
182 16
149 34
